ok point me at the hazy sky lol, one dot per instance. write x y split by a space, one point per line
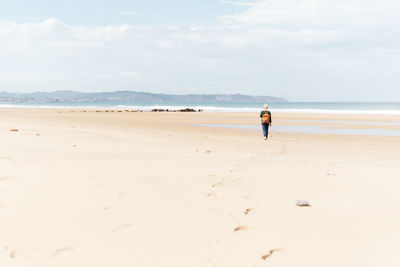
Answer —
318 50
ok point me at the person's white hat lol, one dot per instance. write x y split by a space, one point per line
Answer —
266 106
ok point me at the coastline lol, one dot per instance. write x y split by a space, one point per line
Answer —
356 108
153 189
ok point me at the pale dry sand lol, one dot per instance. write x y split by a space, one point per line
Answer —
152 189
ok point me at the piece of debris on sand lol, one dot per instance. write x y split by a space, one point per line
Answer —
247 211
303 203
240 228
272 251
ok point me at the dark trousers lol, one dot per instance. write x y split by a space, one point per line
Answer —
265 127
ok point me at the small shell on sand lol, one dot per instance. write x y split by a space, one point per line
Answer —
303 203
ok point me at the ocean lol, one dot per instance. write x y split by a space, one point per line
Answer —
303 107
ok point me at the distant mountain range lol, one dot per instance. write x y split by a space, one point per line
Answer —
132 97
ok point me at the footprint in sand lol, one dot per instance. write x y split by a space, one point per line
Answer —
217 184
61 251
283 149
24 253
225 182
2 179
121 195
123 227
2 205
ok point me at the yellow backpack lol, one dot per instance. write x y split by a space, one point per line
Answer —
266 118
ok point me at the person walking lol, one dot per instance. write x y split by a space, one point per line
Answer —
266 120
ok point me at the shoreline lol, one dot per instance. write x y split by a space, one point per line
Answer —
149 108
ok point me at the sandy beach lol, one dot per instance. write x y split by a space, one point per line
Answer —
86 188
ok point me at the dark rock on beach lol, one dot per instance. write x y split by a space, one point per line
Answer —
179 110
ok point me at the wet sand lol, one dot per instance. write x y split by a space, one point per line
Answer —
155 189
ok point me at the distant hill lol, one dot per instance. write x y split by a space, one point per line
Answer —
132 97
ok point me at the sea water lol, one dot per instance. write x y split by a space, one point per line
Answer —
296 107
313 129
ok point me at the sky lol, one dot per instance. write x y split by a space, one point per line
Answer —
303 50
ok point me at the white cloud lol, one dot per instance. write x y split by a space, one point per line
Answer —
301 49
